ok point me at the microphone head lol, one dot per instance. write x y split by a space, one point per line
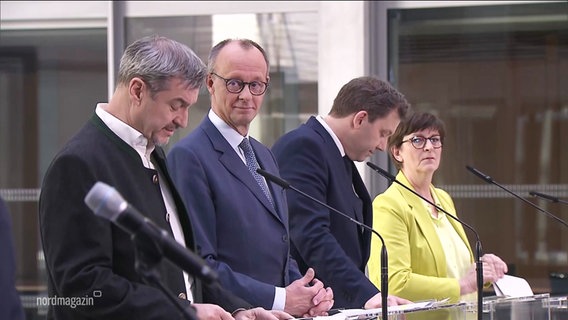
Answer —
382 171
480 174
279 181
105 201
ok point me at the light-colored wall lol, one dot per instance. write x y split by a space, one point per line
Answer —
341 48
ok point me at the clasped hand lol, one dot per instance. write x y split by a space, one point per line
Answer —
307 297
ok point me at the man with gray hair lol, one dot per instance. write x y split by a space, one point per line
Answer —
86 256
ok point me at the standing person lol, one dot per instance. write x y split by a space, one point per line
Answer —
241 220
86 256
317 158
10 303
415 231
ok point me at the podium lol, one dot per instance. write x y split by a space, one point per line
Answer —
428 310
537 307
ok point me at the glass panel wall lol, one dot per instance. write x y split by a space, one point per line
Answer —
50 82
290 40
497 75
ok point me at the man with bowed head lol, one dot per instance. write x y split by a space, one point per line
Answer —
317 158
158 81
241 219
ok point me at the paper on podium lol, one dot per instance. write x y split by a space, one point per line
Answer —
350 313
510 286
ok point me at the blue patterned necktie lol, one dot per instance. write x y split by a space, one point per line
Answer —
252 165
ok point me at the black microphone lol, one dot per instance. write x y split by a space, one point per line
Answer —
547 197
490 180
478 251
384 257
106 202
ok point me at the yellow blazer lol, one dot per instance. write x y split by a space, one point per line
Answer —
417 262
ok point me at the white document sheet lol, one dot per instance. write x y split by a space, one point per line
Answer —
510 286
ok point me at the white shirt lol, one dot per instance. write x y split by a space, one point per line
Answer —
136 140
321 120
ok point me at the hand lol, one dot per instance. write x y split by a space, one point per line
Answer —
496 268
207 311
306 293
493 269
468 283
377 302
323 302
262 314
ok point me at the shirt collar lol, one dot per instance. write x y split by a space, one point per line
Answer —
131 136
327 128
436 201
231 135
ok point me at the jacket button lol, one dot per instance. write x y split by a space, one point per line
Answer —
182 296
285 238
155 179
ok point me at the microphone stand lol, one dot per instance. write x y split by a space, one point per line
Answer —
491 181
147 255
478 250
384 257
547 197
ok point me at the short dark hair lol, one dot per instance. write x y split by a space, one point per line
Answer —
369 94
417 121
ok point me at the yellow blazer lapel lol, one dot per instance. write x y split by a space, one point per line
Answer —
424 222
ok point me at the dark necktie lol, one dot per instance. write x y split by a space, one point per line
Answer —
350 167
356 185
252 165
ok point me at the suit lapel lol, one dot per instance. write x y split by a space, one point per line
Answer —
346 176
424 223
233 163
350 181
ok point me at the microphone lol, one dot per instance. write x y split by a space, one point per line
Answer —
478 250
547 197
490 180
384 257
107 203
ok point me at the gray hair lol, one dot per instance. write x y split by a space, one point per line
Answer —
244 43
156 60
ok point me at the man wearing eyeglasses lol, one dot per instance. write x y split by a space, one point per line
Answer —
317 158
241 220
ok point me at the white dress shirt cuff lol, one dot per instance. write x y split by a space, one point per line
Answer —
279 299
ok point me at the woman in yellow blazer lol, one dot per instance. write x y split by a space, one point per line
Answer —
429 254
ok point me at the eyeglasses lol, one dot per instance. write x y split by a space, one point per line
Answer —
419 142
256 88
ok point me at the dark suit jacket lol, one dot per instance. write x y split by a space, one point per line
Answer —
10 304
237 230
85 253
335 247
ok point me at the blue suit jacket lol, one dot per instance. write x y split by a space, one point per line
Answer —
10 304
334 246
237 230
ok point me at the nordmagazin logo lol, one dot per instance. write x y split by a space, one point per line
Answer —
71 302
